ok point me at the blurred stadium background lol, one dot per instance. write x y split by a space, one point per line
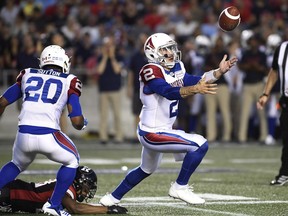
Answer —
9 121
26 26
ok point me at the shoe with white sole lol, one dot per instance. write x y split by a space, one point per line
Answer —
270 140
58 211
185 194
280 180
108 200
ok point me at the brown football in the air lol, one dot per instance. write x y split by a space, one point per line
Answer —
229 18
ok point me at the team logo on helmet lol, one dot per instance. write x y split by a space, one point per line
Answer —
149 44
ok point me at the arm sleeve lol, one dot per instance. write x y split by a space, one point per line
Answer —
13 93
73 100
190 80
162 88
275 59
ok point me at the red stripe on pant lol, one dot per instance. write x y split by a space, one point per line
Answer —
164 138
64 141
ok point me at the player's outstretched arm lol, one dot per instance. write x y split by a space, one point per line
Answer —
12 94
224 67
74 207
3 104
202 87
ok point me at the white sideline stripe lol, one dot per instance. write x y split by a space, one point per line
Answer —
202 210
251 160
100 161
224 197
173 203
224 200
247 202
183 205
207 196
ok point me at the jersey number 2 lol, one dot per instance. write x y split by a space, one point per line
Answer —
148 74
38 83
173 109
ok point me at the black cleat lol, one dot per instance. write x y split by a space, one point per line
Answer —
279 180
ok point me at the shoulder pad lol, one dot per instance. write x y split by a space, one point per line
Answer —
151 71
75 87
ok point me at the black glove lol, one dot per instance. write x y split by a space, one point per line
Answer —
115 209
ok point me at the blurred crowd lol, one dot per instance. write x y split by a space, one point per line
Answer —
80 26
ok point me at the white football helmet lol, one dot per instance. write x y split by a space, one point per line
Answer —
245 36
55 55
203 44
154 46
274 40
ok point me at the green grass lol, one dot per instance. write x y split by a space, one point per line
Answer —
241 172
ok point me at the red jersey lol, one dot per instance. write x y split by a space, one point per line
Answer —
30 196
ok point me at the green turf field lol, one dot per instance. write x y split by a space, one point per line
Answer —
234 179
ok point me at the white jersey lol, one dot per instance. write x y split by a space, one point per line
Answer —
159 113
45 94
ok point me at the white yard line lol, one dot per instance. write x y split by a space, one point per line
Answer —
181 205
247 202
103 161
254 160
211 199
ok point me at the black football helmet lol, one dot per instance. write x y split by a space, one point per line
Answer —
85 177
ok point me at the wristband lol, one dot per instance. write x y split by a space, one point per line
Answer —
264 94
209 76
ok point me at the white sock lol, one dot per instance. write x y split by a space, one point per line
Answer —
114 199
177 186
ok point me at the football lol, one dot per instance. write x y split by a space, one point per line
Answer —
229 18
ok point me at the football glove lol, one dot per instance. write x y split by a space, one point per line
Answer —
5 209
85 123
115 209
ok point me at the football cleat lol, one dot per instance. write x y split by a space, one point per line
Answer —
58 211
108 200
5 209
270 140
185 194
279 180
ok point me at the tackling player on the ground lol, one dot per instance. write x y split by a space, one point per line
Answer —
45 94
163 82
20 196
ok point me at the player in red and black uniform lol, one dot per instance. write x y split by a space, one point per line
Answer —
21 196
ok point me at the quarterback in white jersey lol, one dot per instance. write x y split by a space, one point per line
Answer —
163 82
45 93
158 112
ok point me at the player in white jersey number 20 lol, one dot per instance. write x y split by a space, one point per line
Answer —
45 93
163 82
